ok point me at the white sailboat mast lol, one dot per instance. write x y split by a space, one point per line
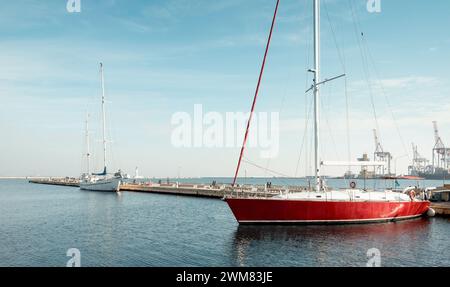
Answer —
316 92
88 151
103 116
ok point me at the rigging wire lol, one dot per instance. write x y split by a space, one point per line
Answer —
370 60
283 99
347 120
365 66
359 35
303 139
265 169
279 112
326 116
383 91
341 57
329 87
84 153
333 33
93 102
114 145
288 79
256 93
89 103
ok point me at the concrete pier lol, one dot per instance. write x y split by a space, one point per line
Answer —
203 190
190 190
57 181
198 190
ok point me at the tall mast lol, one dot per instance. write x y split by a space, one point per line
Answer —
316 91
103 117
88 152
256 94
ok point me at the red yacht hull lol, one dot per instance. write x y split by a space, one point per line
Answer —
279 211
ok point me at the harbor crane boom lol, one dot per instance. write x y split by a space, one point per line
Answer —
381 156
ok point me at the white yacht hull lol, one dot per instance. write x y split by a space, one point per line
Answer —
110 184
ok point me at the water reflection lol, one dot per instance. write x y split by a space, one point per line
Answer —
338 245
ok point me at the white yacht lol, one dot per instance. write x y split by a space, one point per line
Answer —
100 181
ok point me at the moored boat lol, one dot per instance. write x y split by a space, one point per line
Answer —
101 184
100 181
323 205
331 207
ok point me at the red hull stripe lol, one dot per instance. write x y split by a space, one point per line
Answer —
321 212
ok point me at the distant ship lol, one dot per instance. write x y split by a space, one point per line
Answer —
438 175
432 173
322 205
405 177
100 181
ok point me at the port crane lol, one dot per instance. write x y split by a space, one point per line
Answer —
381 156
419 164
441 154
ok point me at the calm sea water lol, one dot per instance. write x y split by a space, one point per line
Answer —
39 223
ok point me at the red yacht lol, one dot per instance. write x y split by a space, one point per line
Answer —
322 205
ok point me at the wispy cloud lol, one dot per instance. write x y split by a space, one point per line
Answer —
391 84
403 82
176 9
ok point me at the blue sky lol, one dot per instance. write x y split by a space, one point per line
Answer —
163 57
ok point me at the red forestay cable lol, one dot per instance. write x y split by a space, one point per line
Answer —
256 94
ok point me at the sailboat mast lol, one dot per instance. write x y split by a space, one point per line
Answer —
103 117
88 152
316 92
